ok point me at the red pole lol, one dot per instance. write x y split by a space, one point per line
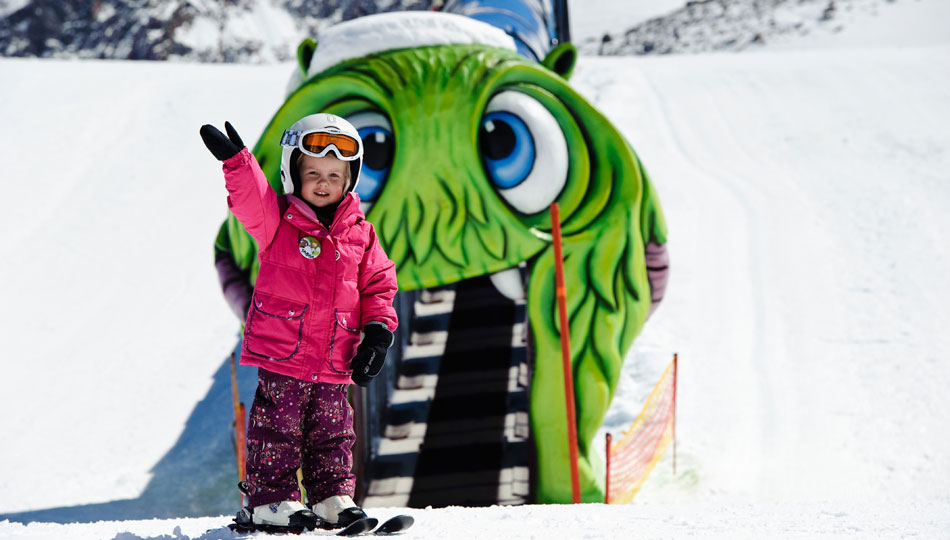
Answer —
607 482
675 367
241 429
565 352
239 442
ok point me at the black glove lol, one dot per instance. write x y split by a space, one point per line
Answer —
371 354
222 147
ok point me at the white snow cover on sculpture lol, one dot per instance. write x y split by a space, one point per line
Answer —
400 30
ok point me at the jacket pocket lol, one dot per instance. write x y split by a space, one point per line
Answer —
343 340
274 327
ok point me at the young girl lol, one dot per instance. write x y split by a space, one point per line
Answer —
323 280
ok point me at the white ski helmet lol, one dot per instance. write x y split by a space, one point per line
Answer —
317 135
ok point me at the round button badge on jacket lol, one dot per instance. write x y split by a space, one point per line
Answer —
309 247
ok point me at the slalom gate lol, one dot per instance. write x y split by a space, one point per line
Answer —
631 458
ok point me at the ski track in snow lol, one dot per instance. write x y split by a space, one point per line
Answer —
724 193
799 201
750 412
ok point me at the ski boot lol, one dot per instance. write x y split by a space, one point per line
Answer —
286 516
339 511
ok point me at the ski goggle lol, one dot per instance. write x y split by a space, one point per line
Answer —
319 143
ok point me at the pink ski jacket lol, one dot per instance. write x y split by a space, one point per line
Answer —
316 288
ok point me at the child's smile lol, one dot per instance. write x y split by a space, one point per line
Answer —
322 179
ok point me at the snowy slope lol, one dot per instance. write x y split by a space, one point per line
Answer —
591 19
874 23
113 321
806 194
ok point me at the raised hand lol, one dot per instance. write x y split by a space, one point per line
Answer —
221 146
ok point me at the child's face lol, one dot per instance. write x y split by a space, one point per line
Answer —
322 179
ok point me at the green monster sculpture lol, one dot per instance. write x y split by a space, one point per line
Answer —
448 205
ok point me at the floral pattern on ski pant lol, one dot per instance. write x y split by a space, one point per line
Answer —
295 423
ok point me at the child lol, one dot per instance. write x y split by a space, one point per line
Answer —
323 280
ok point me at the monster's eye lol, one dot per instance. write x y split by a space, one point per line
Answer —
377 135
523 150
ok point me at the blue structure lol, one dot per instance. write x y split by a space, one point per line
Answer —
536 25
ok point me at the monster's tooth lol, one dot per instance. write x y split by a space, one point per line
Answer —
508 282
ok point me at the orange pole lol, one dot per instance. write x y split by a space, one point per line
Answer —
239 442
241 429
607 481
565 352
675 367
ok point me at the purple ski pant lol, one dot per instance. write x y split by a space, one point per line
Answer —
295 423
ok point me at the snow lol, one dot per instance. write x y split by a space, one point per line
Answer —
807 195
252 31
869 24
273 26
201 33
399 30
591 19
113 321
591 521
739 25
7 7
805 206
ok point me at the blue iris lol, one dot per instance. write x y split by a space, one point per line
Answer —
507 148
377 161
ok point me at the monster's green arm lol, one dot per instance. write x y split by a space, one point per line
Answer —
608 301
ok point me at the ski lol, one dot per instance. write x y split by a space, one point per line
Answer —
358 527
394 525
246 528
